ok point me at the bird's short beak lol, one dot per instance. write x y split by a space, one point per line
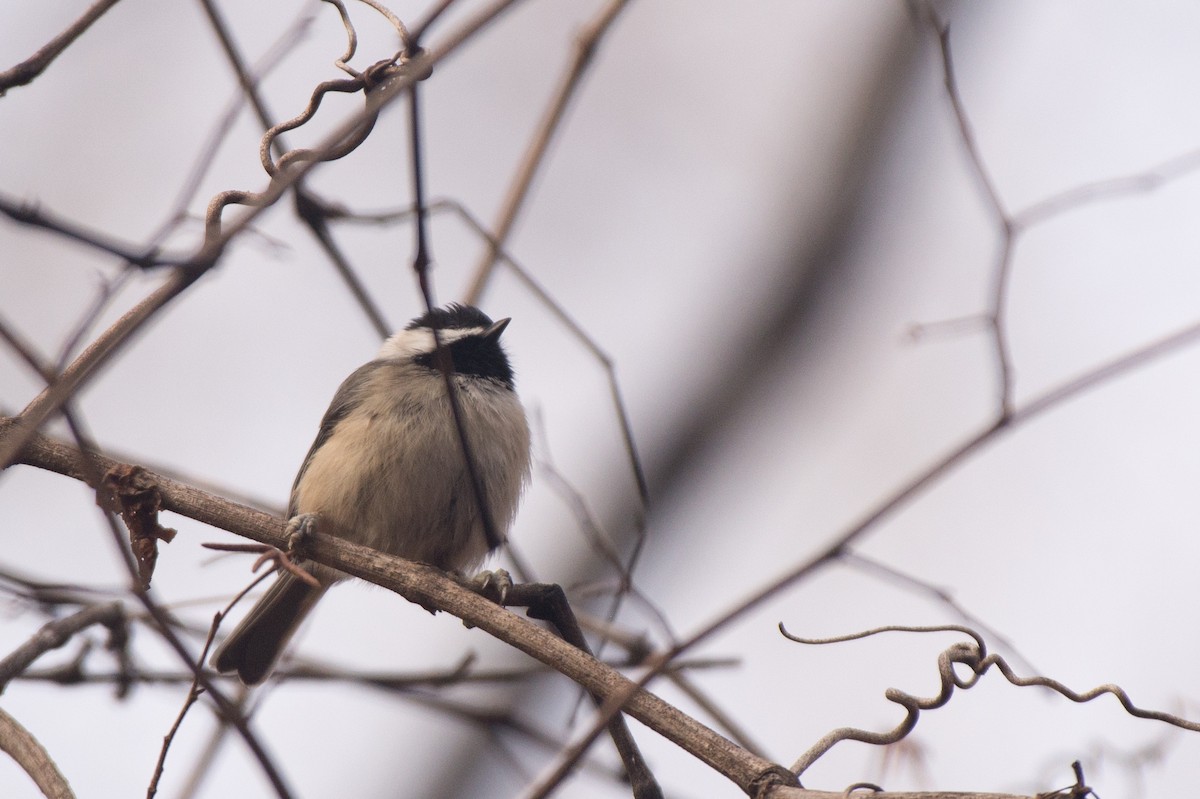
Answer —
493 332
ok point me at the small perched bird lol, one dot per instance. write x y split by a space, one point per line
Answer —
387 469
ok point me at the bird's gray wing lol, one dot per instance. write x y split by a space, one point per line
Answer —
349 396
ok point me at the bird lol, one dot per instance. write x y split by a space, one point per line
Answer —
387 469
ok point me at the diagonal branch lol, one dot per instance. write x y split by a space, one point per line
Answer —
30 214
430 587
585 48
36 64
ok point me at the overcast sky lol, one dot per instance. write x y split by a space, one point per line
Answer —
687 191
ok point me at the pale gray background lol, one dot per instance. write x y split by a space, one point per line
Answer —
699 166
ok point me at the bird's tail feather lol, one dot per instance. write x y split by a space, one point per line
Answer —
256 643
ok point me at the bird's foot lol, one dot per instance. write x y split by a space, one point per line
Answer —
300 530
493 585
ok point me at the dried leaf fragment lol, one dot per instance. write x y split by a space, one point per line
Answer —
132 492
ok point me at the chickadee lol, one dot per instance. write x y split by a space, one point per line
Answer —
387 469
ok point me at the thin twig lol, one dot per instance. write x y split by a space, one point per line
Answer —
89 361
547 601
193 695
58 632
34 216
195 690
247 77
942 595
26 71
228 709
307 670
311 211
556 309
1002 270
46 594
1175 168
551 600
737 733
431 16
90 469
191 183
444 361
107 291
586 45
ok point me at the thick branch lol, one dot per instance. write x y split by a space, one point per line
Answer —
784 792
429 587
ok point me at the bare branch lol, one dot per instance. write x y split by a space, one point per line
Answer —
88 465
311 211
548 602
196 689
867 791
430 587
22 747
942 595
82 368
30 214
965 132
739 734
1180 166
585 49
299 162
36 64
308 207
1003 264
927 477
59 632
193 695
